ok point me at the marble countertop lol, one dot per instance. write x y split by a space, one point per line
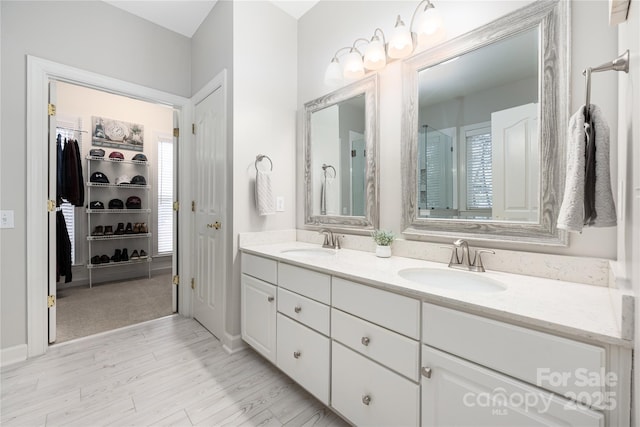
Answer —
572 309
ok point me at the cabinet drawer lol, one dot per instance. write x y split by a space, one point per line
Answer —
395 351
306 311
393 311
554 363
303 354
305 282
458 393
368 394
263 268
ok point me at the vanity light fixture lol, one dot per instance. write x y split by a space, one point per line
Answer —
401 44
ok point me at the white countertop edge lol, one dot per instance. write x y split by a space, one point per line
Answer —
528 300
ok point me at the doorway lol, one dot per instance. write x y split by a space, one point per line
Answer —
121 232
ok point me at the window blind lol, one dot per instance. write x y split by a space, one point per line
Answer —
165 196
479 173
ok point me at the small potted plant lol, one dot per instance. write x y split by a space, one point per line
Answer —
383 241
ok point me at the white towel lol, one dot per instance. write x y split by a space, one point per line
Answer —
571 216
332 197
264 194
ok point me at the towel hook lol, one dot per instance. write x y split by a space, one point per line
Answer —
261 157
621 63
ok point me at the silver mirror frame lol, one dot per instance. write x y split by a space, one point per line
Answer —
369 87
553 19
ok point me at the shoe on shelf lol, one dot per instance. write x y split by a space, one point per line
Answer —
95 260
120 229
98 231
108 230
134 255
129 229
143 254
116 256
104 259
144 228
136 228
125 255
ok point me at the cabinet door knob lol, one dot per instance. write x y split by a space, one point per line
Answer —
366 399
365 341
296 355
297 309
270 299
426 372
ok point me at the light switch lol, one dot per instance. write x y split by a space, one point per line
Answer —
279 204
6 219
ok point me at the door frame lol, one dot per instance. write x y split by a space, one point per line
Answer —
39 72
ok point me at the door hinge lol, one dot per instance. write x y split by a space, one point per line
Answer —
193 283
176 206
51 301
353 153
176 132
176 280
51 109
51 205
193 128
193 206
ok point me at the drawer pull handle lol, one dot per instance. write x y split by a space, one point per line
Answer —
297 309
296 355
366 399
270 299
365 341
426 372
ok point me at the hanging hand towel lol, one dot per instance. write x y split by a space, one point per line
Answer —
572 211
264 193
331 197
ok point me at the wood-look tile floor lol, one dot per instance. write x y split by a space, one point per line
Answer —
169 371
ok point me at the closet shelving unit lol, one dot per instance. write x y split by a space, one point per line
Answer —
106 192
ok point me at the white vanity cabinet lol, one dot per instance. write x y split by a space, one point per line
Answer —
303 345
258 304
375 355
495 374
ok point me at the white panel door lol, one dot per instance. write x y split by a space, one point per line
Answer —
210 199
258 315
53 168
514 139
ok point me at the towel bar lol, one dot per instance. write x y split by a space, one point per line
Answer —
621 63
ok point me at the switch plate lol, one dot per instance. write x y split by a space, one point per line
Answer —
6 219
279 204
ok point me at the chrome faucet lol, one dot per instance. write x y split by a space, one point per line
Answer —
331 241
465 262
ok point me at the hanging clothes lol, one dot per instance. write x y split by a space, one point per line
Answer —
59 170
72 179
63 249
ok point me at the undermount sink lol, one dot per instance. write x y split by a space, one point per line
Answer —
452 279
309 252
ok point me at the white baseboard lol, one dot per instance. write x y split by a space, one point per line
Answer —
11 355
233 343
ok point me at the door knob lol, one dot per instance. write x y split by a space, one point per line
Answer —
366 399
365 341
297 354
215 225
426 372
270 298
297 309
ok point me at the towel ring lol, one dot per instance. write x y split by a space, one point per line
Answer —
261 157
325 167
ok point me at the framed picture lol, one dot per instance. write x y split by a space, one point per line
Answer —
117 134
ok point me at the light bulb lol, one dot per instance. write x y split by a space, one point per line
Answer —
333 74
375 57
400 43
353 67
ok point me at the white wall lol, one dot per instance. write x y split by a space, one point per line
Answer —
264 112
90 35
332 25
629 174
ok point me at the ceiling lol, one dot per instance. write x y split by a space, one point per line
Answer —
185 16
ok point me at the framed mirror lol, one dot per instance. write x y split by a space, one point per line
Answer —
483 137
341 148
